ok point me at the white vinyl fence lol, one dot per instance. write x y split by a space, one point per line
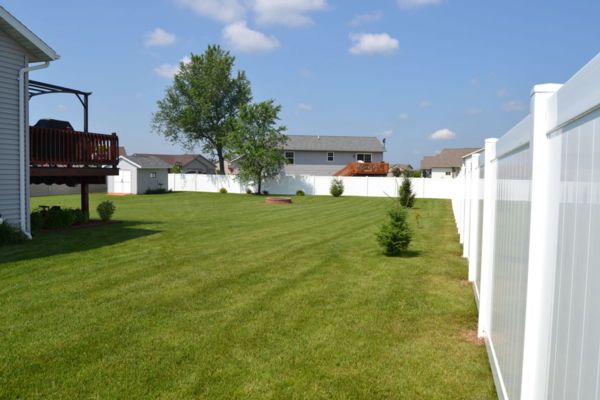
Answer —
528 214
317 185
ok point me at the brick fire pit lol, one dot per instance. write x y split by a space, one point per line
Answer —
278 200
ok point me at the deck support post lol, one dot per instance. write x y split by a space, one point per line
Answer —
85 197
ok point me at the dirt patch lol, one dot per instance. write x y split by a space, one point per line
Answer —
464 282
470 336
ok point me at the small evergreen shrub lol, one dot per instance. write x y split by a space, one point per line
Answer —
249 191
299 193
106 209
406 195
395 236
397 172
10 234
337 187
265 192
223 190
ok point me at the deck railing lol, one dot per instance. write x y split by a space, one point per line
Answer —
364 168
72 148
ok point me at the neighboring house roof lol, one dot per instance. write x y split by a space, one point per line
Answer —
146 162
448 158
122 151
35 47
401 166
333 143
173 159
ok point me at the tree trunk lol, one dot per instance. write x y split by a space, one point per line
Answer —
221 160
259 185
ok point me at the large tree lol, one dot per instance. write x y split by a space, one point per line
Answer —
202 105
258 142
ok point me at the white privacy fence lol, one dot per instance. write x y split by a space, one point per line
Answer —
317 185
528 214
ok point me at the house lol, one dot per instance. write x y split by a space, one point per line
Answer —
19 48
139 174
329 155
404 169
231 166
187 163
446 164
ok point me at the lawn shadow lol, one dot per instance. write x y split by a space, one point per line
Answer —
51 243
410 254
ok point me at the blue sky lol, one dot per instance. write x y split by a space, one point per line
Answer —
409 70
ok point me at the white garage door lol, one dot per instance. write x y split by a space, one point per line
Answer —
123 182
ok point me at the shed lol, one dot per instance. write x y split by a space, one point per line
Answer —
139 174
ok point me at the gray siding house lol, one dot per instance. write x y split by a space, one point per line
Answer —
326 155
138 174
19 47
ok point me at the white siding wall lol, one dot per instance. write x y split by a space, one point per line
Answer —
12 59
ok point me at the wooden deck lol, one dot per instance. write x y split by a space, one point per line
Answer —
364 169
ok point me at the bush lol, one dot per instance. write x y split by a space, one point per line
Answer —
299 193
249 191
156 191
223 190
395 236
406 195
396 172
106 209
10 234
337 187
56 218
265 192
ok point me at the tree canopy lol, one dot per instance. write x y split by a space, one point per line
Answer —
203 103
258 141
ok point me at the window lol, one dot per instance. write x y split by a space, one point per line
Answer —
448 173
364 157
153 175
289 157
330 156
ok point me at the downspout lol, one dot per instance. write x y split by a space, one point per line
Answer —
22 155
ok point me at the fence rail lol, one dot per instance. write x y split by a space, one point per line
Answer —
528 215
317 185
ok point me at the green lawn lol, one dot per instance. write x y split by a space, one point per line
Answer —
222 296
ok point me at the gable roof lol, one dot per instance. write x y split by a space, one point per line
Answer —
333 143
448 158
173 159
146 162
37 49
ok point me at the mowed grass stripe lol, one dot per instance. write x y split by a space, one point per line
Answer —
222 296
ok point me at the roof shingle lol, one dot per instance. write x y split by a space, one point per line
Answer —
333 143
448 158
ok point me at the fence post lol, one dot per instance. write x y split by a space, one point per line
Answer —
488 237
467 213
542 247
474 221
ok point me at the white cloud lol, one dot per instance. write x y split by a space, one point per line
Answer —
502 93
367 18
169 70
241 38
424 104
387 133
407 4
305 73
403 116
514 106
471 111
220 10
443 134
159 37
304 107
373 43
286 12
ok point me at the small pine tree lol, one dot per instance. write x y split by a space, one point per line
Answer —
337 187
395 236
407 197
